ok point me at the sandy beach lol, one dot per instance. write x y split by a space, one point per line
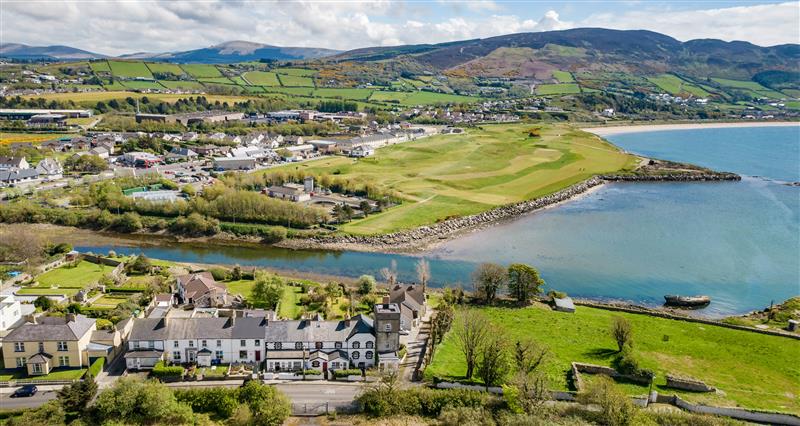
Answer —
637 128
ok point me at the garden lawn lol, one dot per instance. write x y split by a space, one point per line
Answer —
129 69
455 175
84 274
295 81
750 369
557 89
55 374
290 302
109 301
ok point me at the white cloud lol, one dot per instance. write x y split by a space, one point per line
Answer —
125 26
764 25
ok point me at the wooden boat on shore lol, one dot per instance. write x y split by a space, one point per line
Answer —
687 301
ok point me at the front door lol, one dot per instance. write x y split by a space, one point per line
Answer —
192 355
325 367
258 356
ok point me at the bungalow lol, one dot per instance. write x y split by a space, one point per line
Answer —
362 151
16 177
200 289
49 342
211 149
99 151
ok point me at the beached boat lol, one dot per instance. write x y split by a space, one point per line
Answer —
689 301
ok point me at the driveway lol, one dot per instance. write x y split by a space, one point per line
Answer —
415 349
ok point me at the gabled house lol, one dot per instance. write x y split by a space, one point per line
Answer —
49 342
411 299
14 163
50 169
181 154
18 176
99 151
201 290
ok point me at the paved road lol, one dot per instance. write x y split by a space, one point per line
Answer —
8 403
319 392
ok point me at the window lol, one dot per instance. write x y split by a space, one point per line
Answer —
278 345
370 344
318 345
204 343
37 368
219 343
257 342
136 345
21 362
63 361
315 364
368 355
242 343
387 327
19 347
356 345
175 344
355 355
176 355
297 345
62 346
219 355
242 354
337 345
191 343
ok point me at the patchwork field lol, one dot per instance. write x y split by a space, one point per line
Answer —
296 71
705 352
91 98
563 76
129 69
201 70
674 85
261 78
755 89
295 80
557 89
165 67
448 175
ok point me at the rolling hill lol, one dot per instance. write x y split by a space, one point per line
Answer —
236 51
23 51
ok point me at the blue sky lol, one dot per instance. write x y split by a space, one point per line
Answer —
126 26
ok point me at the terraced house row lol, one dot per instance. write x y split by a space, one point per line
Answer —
274 345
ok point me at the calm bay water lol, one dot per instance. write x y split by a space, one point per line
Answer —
738 242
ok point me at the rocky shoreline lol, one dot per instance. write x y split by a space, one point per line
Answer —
423 237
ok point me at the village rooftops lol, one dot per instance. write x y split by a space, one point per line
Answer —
48 329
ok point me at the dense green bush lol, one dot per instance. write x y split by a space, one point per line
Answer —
344 373
418 401
163 371
269 234
308 373
217 401
220 274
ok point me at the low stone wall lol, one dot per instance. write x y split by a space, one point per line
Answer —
674 177
735 413
452 385
684 383
579 367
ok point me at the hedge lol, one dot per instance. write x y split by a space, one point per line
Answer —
344 373
220 401
308 373
97 366
162 371
418 401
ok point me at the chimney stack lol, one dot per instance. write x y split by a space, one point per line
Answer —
70 317
385 300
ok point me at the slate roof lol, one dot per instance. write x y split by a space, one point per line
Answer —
9 175
143 354
411 293
51 329
284 354
317 331
40 358
197 328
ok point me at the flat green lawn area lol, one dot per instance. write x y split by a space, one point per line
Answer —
355 94
165 67
219 371
290 302
674 85
100 66
563 76
557 89
47 291
129 69
296 71
295 81
261 78
752 370
446 175
84 274
109 301
243 287
55 374
201 70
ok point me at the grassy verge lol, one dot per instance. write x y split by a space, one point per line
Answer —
750 369
55 374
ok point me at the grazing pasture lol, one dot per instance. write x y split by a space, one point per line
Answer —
563 76
165 67
129 69
301 72
295 80
674 85
557 89
262 78
201 70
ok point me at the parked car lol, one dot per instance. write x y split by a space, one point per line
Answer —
25 391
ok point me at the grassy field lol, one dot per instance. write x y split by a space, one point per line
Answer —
430 98
296 71
261 78
186 85
290 303
129 69
751 87
34 138
448 175
295 80
355 94
201 70
94 97
55 374
751 370
165 67
109 302
563 76
674 85
142 85
557 89
78 277
99 66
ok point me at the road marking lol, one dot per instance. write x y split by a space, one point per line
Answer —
329 392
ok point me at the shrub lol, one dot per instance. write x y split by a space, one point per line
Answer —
97 366
220 274
628 363
459 416
417 401
162 371
218 401
308 373
344 373
622 331
615 407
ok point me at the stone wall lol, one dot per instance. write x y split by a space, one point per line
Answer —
736 413
578 368
684 383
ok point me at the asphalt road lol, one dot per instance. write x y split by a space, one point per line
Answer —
41 397
320 392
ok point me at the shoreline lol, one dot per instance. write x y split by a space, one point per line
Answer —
615 129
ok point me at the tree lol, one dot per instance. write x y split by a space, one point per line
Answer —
622 332
236 273
268 406
365 284
390 274
423 268
472 331
528 356
139 265
134 401
49 414
527 392
267 290
365 207
77 396
487 280
493 362
615 407
43 303
523 282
